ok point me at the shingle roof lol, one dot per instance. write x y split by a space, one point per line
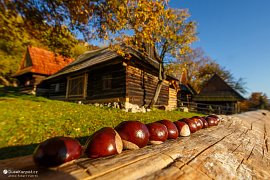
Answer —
42 62
216 89
87 59
91 58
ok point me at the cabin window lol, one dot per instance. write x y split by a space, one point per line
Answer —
107 81
76 86
56 87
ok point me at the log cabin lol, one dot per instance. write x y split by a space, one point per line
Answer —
186 93
103 76
218 96
36 65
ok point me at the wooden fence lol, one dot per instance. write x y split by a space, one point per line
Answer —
207 108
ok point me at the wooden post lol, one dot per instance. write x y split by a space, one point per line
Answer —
85 85
67 87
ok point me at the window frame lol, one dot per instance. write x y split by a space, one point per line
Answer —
83 88
107 81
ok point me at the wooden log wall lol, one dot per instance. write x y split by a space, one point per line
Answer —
62 89
172 104
238 148
141 87
95 88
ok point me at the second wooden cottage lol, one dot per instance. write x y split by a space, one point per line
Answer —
218 97
103 76
36 65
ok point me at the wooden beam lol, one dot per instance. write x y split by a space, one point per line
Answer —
238 148
107 100
85 85
67 91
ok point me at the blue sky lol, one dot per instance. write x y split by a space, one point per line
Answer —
235 33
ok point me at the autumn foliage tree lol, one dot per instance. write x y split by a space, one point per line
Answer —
199 68
15 36
257 100
133 23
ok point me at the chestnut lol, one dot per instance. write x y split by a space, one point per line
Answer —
205 123
171 127
104 142
158 133
198 122
134 134
56 151
191 124
211 121
183 128
215 117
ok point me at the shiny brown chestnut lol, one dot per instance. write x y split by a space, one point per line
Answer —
215 117
158 133
104 142
205 123
134 134
198 122
172 129
191 124
56 151
183 128
211 121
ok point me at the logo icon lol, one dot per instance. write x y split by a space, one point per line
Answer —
5 171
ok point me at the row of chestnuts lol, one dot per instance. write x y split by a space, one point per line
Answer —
127 135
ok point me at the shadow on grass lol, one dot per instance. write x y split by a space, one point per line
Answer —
23 150
16 151
6 91
14 92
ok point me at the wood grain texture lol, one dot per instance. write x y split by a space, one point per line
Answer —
141 86
236 149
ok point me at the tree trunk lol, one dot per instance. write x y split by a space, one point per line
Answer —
161 78
158 89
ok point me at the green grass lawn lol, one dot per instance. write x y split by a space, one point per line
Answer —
26 120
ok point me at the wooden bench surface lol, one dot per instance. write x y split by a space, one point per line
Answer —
237 148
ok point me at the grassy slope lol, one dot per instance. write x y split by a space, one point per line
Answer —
26 120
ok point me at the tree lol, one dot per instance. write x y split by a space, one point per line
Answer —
15 36
257 100
174 38
131 22
12 41
199 68
18 29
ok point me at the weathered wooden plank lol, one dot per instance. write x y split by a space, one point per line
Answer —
233 160
148 86
141 86
237 148
223 160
